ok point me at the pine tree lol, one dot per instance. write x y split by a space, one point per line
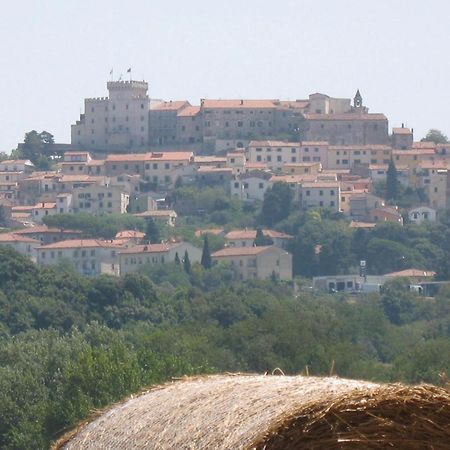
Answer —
152 235
206 261
261 239
177 259
186 262
391 181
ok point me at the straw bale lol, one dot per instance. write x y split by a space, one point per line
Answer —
257 412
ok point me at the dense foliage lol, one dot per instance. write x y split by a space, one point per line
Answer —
70 344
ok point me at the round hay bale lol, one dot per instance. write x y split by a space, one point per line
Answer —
271 413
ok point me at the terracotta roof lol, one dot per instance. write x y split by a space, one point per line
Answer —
347 116
255 165
45 229
224 104
293 104
361 147
157 213
292 178
130 157
152 156
130 234
24 208
213 231
12 237
189 111
242 251
417 151
412 273
82 178
401 130
170 105
273 144
17 161
443 165
322 184
313 143
206 169
424 144
209 159
79 243
251 234
169 156
356 224
45 205
149 248
76 153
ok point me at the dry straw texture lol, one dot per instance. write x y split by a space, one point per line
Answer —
272 413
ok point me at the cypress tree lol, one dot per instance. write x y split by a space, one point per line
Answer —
177 259
186 262
206 254
391 181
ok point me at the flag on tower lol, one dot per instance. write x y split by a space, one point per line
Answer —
129 70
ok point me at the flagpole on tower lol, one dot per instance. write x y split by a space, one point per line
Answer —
129 71
111 72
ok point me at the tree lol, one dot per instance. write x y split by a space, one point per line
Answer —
391 181
38 148
186 262
152 234
261 239
177 259
435 136
206 254
277 204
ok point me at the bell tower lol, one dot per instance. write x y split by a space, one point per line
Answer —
357 100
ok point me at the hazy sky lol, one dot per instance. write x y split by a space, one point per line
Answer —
55 53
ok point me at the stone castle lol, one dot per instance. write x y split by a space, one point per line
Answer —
128 119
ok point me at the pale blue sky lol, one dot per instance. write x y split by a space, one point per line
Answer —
55 53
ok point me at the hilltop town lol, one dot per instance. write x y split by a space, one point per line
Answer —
129 154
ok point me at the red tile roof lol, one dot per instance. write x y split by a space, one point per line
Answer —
80 243
149 248
170 105
242 251
401 130
225 104
273 144
189 111
130 234
412 273
251 234
13 237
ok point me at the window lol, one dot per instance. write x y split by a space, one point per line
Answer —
43 255
92 252
258 158
331 203
155 166
166 166
321 193
109 205
240 124
332 192
308 193
236 185
293 150
279 158
261 185
293 159
320 203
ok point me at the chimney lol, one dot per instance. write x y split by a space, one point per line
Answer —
242 102
403 125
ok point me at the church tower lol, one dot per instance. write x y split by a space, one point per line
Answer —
357 100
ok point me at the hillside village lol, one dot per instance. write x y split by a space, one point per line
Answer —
129 153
